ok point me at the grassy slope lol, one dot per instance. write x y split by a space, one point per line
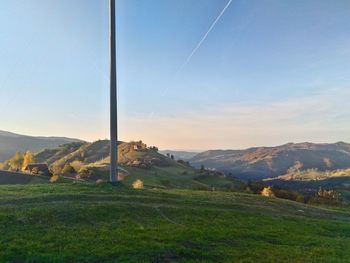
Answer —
175 176
7 177
100 223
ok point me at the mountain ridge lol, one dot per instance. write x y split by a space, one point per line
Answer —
11 142
264 162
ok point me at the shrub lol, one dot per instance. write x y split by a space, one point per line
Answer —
256 187
84 172
77 165
267 191
138 184
55 169
2 166
68 169
54 178
300 198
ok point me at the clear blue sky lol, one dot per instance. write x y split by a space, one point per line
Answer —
269 72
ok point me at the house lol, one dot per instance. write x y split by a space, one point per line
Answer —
38 168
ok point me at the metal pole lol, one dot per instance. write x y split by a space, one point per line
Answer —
113 93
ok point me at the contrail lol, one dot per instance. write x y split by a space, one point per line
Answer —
205 35
196 48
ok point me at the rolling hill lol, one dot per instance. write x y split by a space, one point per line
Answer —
91 162
179 155
10 143
264 162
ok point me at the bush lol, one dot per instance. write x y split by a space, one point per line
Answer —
55 169
54 178
138 184
85 172
300 198
267 191
68 169
77 165
326 197
184 163
256 187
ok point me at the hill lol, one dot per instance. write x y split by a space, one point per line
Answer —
100 223
179 155
10 143
90 161
133 154
264 162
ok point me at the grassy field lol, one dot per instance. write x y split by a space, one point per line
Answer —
7 177
81 222
175 176
178 176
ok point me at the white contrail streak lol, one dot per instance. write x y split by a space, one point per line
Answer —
205 35
195 49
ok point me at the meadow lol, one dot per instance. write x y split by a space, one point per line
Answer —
85 222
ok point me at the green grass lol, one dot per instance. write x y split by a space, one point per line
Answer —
82 222
176 176
7 177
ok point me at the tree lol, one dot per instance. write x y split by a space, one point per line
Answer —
28 158
56 169
172 157
16 161
154 148
4 166
77 165
68 169
202 168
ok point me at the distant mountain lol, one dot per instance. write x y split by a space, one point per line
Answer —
265 162
179 155
10 143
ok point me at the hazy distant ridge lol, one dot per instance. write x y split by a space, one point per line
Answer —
264 162
10 143
179 155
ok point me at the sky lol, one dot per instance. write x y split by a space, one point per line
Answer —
192 74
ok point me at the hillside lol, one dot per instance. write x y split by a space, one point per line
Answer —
179 155
10 143
135 154
91 162
264 162
7 177
100 223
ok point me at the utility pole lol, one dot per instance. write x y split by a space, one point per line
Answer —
113 93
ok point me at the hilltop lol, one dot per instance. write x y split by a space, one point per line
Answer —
265 162
10 143
96 154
